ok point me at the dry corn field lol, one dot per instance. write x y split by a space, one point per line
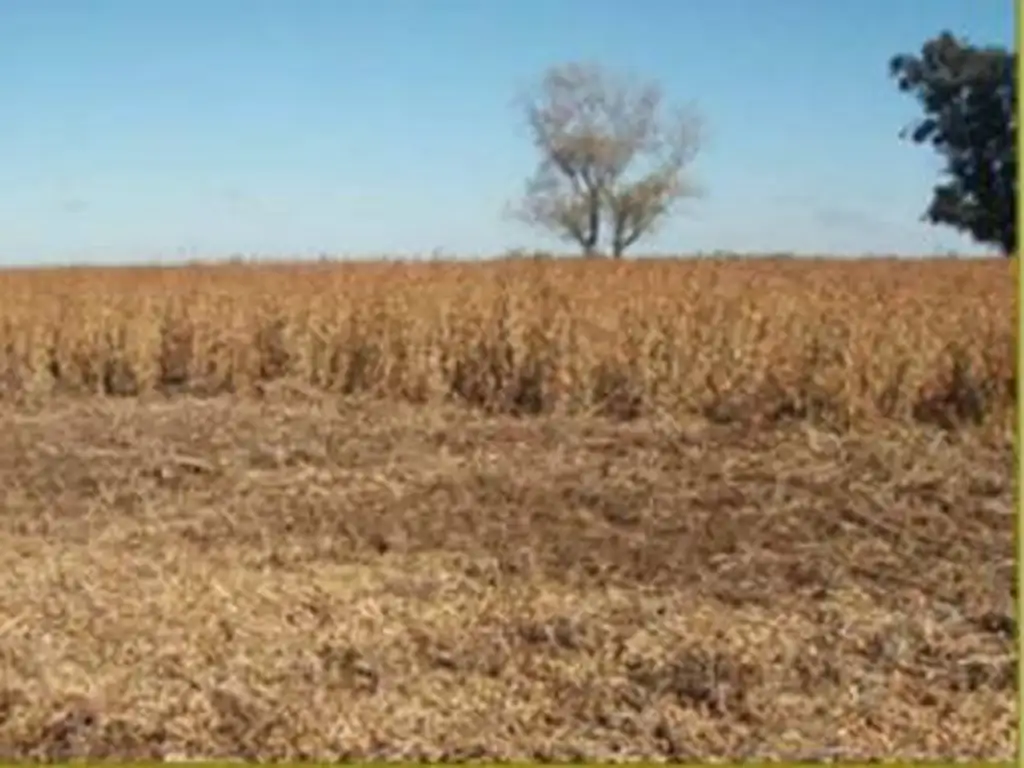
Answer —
551 510
731 340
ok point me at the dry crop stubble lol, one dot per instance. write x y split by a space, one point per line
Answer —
693 510
282 579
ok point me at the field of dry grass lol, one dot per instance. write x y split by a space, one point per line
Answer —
539 510
733 340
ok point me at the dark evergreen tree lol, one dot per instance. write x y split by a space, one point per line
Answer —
969 97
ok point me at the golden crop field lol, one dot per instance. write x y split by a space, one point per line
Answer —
523 509
760 339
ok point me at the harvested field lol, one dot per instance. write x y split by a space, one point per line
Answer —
657 522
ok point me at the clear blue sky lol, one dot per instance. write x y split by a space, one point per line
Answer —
166 129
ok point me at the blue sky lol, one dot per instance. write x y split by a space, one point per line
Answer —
137 130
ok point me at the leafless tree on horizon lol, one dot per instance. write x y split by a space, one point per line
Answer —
611 158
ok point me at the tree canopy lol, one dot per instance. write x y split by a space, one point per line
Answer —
969 97
612 162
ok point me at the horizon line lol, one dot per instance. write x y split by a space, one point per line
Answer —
440 257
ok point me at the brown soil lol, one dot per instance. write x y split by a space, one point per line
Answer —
296 580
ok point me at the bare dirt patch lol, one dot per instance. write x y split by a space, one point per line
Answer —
295 580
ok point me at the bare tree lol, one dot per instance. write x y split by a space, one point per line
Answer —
611 159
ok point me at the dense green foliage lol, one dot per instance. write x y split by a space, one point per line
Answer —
969 97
